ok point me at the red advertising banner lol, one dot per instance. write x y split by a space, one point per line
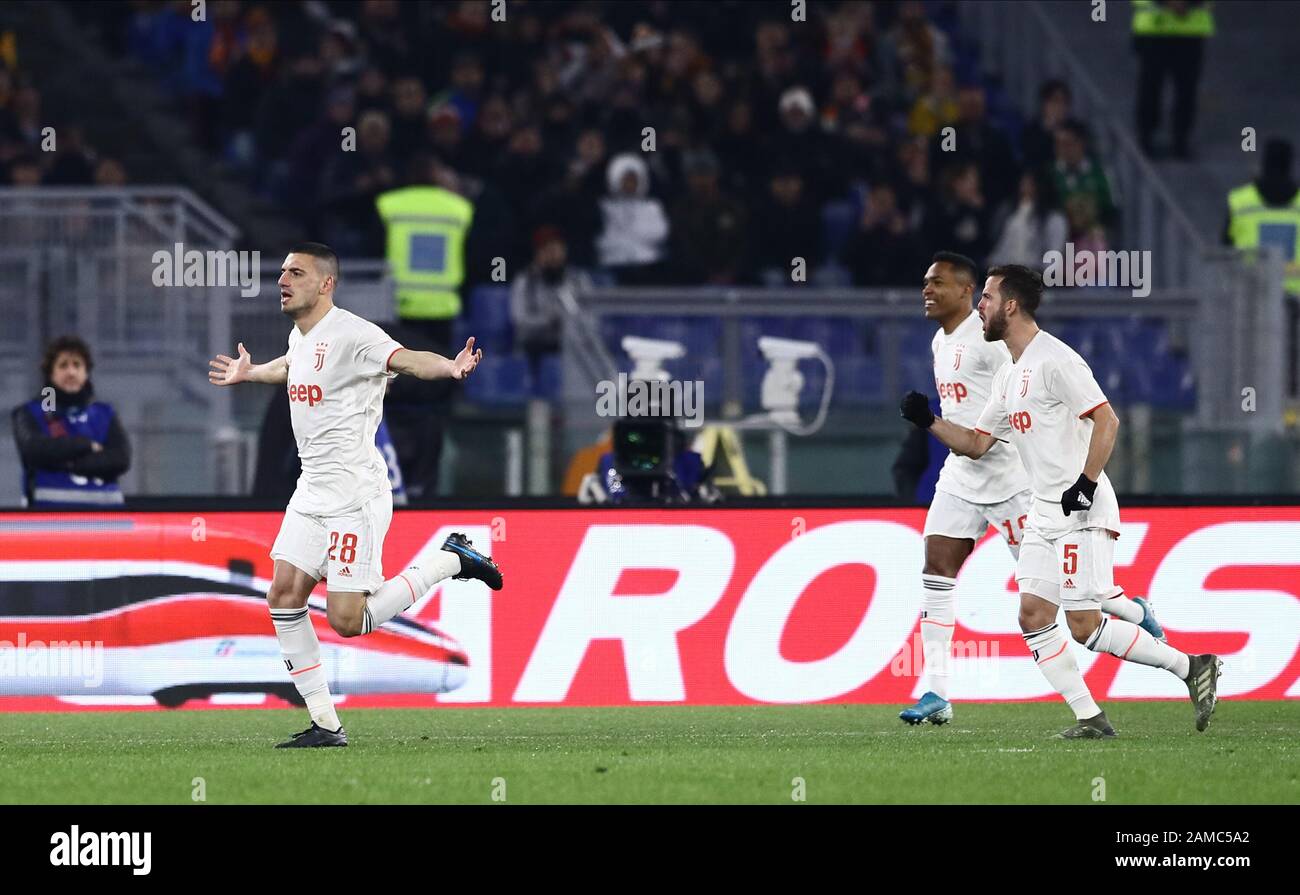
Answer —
616 607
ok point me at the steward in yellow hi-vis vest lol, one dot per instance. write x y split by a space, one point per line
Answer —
1266 211
426 227
1169 37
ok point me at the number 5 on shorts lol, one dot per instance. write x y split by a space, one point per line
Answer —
1071 564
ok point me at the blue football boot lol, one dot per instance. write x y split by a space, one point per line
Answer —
931 707
1149 623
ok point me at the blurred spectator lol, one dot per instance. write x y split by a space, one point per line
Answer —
911 177
959 220
635 230
860 121
1169 38
74 163
1086 230
290 106
1077 173
1038 139
466 89
788 225
710 235
73 448
573 204
254 65
936 107
977 140
386 36
883 250
535 307
352 180
409 120
1030 226
315 148
743 166
109 172
25 170
799 141
916 47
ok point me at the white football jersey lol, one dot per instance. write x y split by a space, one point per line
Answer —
1038 404
964 365
337 374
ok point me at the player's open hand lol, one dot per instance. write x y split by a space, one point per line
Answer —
466 361
230 370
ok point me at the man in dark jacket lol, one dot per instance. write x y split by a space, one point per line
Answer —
73 448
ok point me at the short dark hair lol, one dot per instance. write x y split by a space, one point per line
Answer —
959 261
1024 284
322 252
1050 86
65 345
1079 129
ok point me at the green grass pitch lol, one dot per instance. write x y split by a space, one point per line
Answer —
999 753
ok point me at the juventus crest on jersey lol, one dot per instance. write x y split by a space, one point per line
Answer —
337 375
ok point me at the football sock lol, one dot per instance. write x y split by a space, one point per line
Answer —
1122 607
301 650
1130 643
937 619
1051 650
397 594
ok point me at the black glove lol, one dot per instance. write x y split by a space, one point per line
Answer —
1079 495
915 408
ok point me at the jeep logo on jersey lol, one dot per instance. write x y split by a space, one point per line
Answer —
311 395
955 390
1020 421
320 354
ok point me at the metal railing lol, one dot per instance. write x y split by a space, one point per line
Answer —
1229 326
86 261
1022 41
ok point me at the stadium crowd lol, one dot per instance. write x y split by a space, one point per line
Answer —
772 139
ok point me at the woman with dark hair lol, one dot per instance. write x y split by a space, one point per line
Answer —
1031 225
73 448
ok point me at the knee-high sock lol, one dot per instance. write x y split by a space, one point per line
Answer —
1051 650
937 619
396 594
1122 607
1130 643
301 650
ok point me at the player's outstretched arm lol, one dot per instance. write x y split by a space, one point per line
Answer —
915 408
427 365
232 370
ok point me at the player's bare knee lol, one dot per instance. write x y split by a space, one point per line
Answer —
939 568
1035 615
283 597
345 624
1081 627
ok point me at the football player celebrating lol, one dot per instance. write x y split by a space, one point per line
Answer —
336 370
1046 403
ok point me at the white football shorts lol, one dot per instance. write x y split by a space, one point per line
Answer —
1075 571
954 517
345 550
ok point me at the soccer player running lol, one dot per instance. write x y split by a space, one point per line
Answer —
1046 402
971 494
336 369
